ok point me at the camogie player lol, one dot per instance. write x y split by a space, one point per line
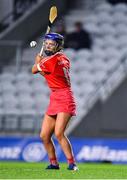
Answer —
54 66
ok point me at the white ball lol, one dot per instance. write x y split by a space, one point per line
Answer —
33 43
76 168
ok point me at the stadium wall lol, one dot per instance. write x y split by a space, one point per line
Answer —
108 119
31 149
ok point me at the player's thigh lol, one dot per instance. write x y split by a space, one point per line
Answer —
62 121
48 125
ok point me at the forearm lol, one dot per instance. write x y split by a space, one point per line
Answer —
34 69
38 59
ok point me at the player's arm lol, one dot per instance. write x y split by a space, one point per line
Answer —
38 59
36 67
45 67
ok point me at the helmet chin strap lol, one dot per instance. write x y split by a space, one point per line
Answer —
49 53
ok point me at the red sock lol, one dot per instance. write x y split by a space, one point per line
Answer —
71 160
53 161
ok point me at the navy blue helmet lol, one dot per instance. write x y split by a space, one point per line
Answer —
59 39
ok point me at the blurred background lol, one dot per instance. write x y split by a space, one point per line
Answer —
95 34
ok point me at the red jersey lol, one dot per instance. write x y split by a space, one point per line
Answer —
56 69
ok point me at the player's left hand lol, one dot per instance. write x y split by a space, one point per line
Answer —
38 58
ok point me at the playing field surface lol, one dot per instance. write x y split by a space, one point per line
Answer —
14 170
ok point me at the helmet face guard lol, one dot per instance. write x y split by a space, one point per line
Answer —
59 39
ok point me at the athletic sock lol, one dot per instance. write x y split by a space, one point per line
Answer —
54 161
71 160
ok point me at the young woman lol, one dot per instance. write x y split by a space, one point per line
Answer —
54 66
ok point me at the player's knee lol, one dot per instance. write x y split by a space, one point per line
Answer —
45 138
59 135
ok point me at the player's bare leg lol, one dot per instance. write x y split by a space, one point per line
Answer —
61 124
48 126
